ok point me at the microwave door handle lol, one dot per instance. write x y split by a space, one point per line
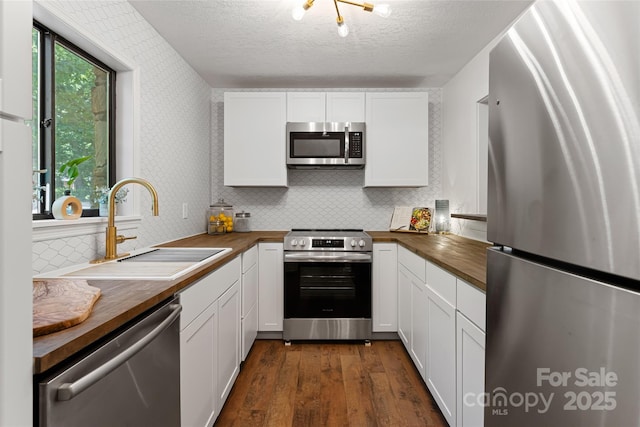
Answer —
346 144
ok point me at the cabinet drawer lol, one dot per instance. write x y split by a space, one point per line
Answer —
249 258
414 263
197 297
472 303
442 282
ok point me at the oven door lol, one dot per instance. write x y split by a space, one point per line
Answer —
327 285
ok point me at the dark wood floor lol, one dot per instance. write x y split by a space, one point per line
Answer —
329 384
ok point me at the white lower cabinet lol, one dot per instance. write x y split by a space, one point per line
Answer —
420 325
271 287
470 367
209 344
198 367
404 305
470 355
412 306
384 296
441 321
249 327
228 341
441 354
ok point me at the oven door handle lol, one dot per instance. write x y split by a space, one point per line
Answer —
315 257
68 391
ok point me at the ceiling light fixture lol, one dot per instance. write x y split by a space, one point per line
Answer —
382 10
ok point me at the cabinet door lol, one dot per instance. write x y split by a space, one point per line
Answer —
441 354
228 341
419 325
306 106
254 139
385 287
345 107
271 287
198 370
470 373
249 309
404 306
16 21
397 139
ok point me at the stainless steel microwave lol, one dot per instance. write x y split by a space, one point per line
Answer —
318 145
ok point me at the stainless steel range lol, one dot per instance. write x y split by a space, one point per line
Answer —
327 285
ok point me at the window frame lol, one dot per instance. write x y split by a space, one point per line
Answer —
46 111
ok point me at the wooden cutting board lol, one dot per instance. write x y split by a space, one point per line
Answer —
61 303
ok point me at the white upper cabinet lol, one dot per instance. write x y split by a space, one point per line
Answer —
345 107
306 106
397 139
15 58
325 107
254 139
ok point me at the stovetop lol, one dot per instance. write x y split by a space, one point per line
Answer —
328 240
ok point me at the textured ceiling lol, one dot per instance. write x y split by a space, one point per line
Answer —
256 43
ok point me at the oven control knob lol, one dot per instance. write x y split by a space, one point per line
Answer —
353 243
303 242
294 242
361 243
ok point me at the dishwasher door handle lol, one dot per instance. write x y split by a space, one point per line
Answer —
68 391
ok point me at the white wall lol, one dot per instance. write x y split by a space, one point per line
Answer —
329 198
460 153
174 126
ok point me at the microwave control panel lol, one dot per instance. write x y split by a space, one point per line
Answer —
355 145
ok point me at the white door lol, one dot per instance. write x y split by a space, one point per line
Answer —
470 373
271 287
228 341
198 370
441 354
254 139
404 306
385 287
397 139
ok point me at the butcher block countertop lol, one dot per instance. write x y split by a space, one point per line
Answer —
465 258
124 300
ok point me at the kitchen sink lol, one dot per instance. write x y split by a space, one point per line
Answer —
144 264
174 255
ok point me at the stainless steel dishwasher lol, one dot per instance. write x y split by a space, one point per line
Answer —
132 379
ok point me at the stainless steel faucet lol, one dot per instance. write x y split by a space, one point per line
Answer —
112 237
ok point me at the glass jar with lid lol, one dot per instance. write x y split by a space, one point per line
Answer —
243 222
220 218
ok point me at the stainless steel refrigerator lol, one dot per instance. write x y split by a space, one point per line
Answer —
563 282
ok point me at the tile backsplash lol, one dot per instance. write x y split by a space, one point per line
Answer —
324 198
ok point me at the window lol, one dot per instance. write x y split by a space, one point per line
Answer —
74 103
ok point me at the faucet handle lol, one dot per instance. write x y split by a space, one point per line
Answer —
121 238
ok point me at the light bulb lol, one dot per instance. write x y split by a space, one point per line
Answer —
298 13
383 10
343 30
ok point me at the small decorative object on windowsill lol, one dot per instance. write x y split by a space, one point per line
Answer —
68 206
443 218
103 199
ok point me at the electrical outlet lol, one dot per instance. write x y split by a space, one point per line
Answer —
185 210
